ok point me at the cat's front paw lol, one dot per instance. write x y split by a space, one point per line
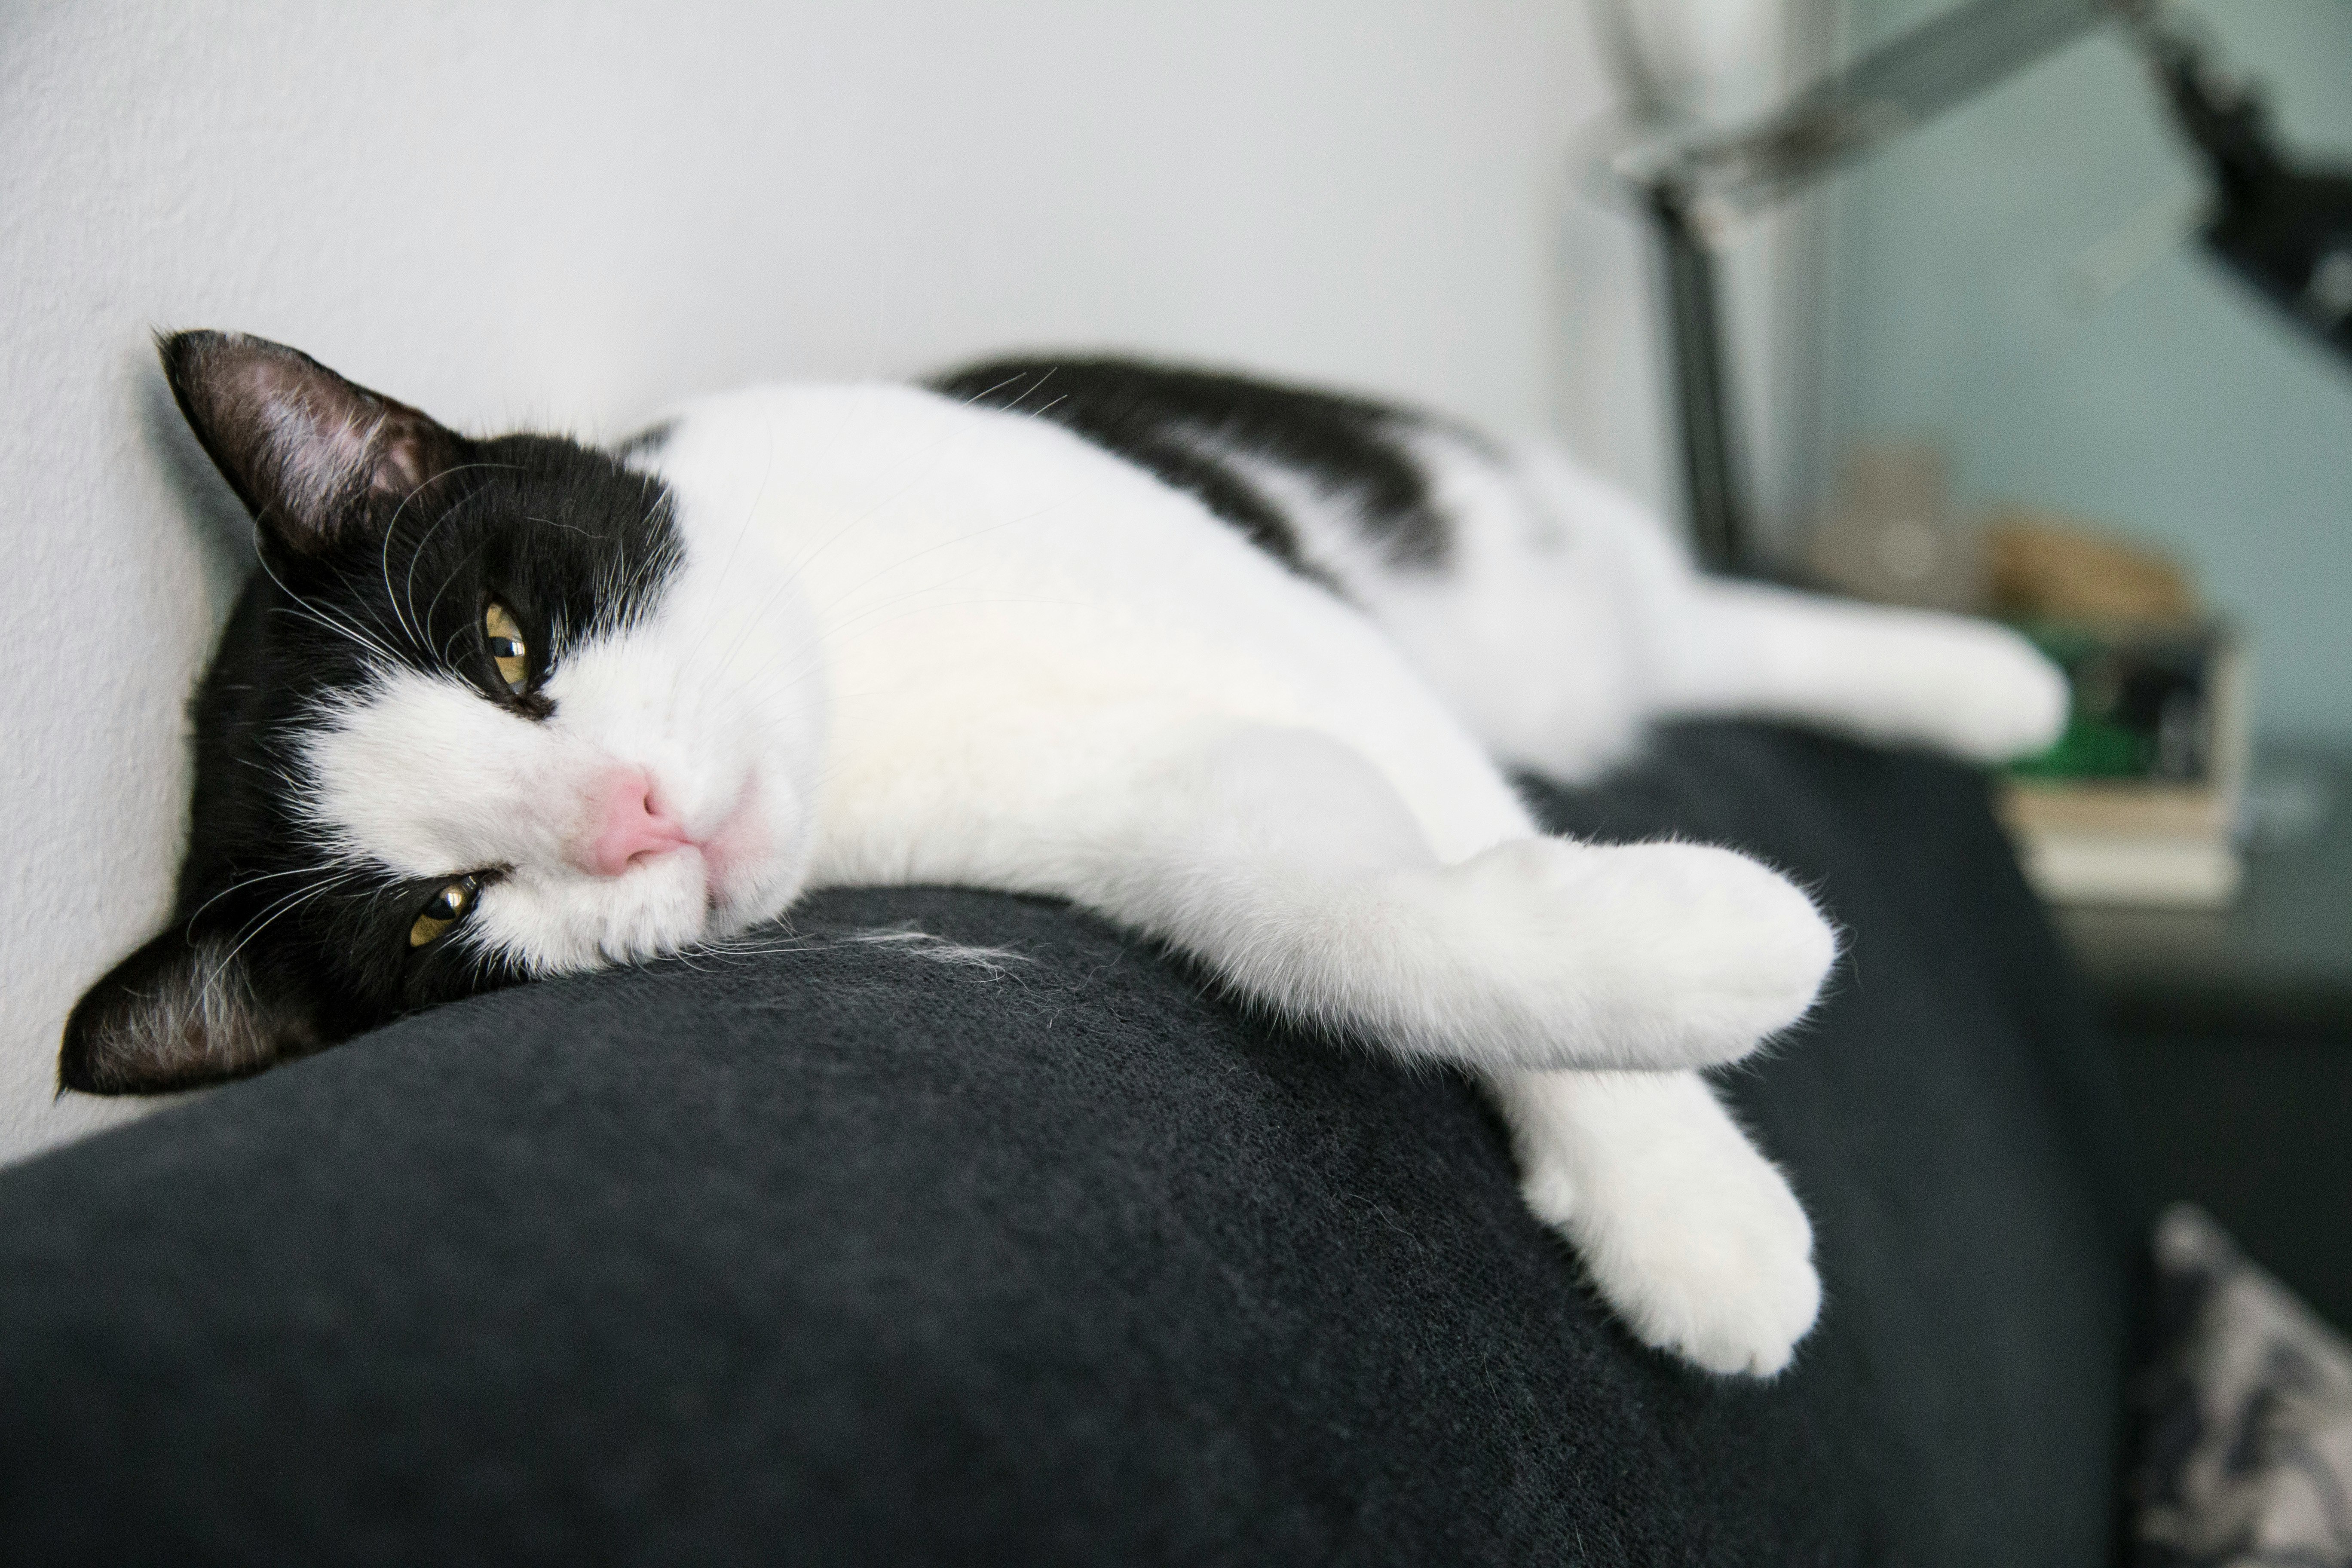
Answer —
1991 696
1703 1252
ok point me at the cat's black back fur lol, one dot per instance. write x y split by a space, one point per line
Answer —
1186 427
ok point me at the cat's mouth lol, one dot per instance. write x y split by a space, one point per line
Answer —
656 883
635 828
733 852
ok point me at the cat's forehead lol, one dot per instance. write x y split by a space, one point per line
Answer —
540 501
568 536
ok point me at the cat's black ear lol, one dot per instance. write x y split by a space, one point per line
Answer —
180 1012
307 452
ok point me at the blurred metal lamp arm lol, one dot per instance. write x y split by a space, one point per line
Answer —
1900 85
2287 231
1692 189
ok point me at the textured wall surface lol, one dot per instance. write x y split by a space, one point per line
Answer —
521 212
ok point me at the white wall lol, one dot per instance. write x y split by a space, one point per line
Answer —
549 212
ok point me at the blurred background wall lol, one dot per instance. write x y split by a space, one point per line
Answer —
2176 409
570 214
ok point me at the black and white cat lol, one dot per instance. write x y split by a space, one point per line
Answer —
1238 667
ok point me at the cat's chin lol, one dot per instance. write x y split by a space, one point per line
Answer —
735 854
751 896
697 895
556 920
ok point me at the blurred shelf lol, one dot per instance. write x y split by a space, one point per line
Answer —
2279 962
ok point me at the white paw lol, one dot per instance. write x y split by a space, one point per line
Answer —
1698 1244
1990 695
1645 955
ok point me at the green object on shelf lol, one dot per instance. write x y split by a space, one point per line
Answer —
2091 749
2142 703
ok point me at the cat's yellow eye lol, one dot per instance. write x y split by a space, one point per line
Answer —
448 908
504 634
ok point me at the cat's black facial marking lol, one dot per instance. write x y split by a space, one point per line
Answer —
1179 424
385 539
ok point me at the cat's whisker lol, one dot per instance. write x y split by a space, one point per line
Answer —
566 527
628 593
995 388
327 885
246 936
408 583
458 567
325 625
305 607
384 557
239 886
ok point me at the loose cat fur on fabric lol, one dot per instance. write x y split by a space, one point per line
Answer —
1237 666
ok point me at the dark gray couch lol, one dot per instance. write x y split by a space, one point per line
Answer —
845 1254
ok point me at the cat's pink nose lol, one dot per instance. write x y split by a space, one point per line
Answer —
629 824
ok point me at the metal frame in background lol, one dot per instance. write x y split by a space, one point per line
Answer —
2286 231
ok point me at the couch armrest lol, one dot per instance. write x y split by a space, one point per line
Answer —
855 1251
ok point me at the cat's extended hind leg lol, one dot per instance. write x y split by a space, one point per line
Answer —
1289 864
1684 1229
1912 677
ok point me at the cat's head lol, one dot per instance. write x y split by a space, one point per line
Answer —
476 719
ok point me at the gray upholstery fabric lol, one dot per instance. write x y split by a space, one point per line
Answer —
846 1253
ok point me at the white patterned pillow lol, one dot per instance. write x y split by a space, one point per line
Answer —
2246 1451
